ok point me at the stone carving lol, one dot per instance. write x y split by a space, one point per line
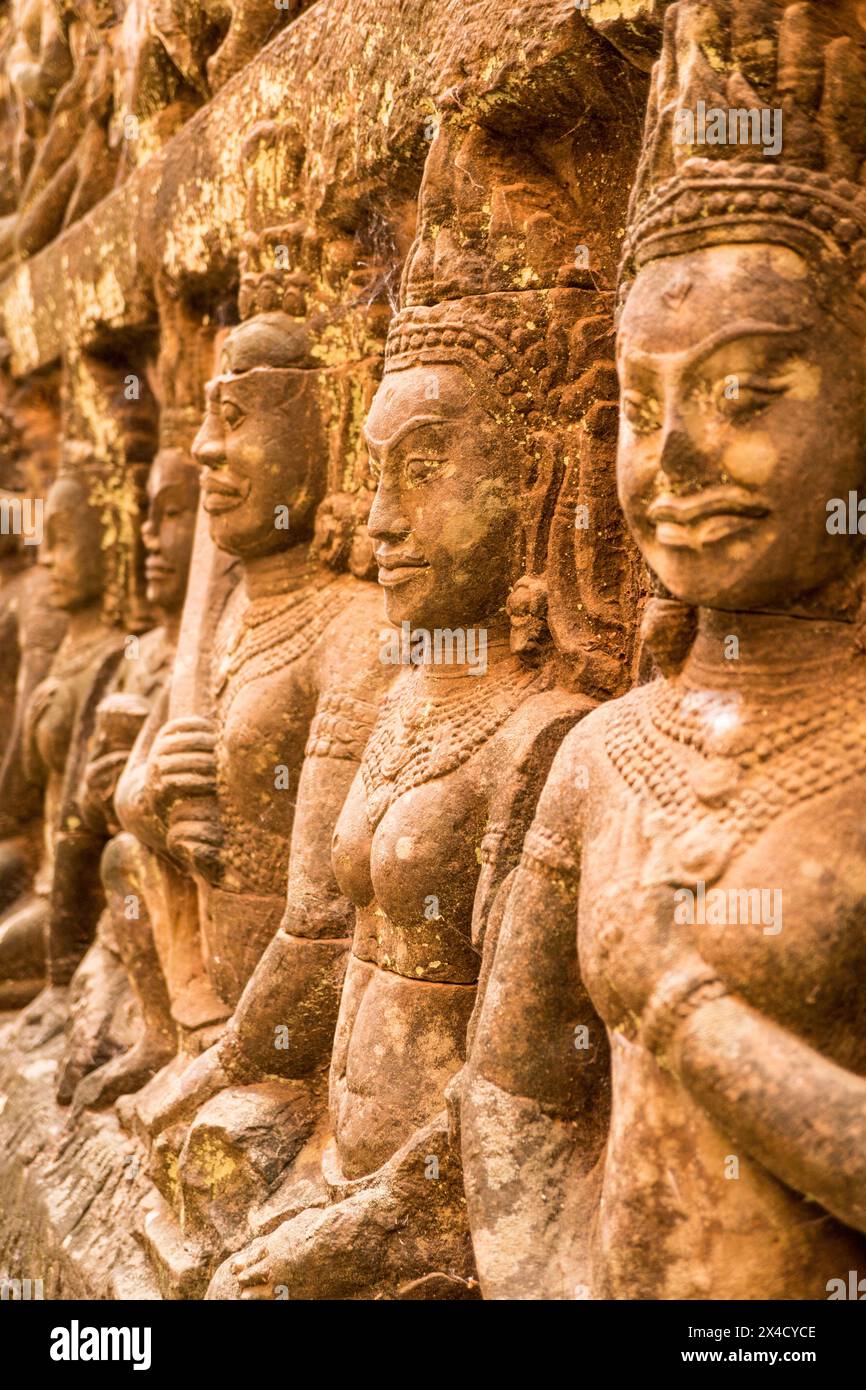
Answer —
247 781
91 90
61 709
467 440
143 891
136 883
489 930
31 632
86 510
174 54
677 972
59 74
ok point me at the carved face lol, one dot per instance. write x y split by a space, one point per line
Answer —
257 446
741 418
172 495
444 520
72 546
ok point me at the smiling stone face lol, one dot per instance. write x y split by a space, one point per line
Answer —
741 418
72 546
260 449
168 531
444 522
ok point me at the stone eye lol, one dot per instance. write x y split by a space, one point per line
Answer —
231 414
735 395
642 412
418 470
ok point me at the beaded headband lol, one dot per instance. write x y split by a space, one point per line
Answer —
519 342
804 62
714 201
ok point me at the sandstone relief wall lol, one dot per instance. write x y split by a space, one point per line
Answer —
426 819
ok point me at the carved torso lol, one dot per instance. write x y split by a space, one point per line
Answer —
287 672
419 848
52 716
768 805
265 693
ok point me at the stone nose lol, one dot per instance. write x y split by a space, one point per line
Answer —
208 448
681 457
387 520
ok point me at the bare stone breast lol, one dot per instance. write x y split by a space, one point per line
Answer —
729 1229
413 879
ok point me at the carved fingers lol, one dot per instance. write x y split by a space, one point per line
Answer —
256 1272
332 1252
100 783
183 762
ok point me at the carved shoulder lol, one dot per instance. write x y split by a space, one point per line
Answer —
349 651
523 752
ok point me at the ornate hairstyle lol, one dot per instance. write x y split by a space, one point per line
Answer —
493 284
311 299
805 61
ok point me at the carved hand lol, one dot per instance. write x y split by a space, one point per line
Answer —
182 785
100 783
182 763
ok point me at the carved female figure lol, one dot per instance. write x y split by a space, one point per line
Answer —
59 717
437 809
294 676
30 633
666 1095
135 884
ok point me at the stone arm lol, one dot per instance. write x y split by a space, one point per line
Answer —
547 718
298 981
795 1111
414 1202
76 890
133 802
297 984
534 1100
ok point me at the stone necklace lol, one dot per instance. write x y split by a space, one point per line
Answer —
274 631
423 733
705 811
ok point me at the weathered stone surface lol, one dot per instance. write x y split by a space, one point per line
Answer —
272 1043
448 613
664 1097
70 1197
358 80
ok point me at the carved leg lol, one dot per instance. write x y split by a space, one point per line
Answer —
22 952
128 871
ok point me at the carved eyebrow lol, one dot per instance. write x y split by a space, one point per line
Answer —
747 328
176 485
415 423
